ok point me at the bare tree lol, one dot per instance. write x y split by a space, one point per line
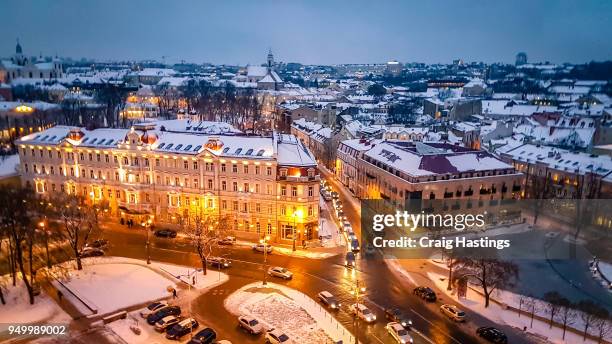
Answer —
553 305
589 312
204 232
603 326
78 221
490 274
16 220
567 313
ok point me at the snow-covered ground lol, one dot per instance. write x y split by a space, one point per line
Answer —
188 274
288 251
9 165
289 310
147 334
109 285
605 269
19 310
475 303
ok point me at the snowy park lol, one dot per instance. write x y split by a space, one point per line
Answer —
289 310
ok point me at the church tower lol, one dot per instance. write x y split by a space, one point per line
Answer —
18 59
270 59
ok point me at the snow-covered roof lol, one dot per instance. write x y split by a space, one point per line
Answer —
9 165
292 152
419 159
562 160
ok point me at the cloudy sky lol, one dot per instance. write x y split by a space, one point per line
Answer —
312 31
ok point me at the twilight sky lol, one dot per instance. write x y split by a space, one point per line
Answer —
311 31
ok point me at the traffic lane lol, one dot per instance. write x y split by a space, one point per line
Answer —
311 276
328 274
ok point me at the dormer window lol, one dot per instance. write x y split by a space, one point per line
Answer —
283 172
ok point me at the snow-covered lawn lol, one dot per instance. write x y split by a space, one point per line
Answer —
475 302
606 269
147 334
19 310
110 285
187 275
289 310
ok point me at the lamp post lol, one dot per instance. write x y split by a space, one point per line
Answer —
41 224
357 292
264 241
147 226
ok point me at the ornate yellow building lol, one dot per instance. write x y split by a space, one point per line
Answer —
266 185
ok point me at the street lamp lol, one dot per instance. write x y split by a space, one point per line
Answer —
264 241
296 214
147 226
357 292
41 224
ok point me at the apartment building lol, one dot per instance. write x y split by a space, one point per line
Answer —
399 171
263 185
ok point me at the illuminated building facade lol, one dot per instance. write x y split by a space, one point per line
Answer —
400 171
263 185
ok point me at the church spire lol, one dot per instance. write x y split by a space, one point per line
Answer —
18 49
270 59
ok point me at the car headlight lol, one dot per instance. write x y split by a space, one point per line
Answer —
403 323
333 306
402 341
374 317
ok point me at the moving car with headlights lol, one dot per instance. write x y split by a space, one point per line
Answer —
182 328
218 262
87 252
425 293
165 233
453 312
252 325
228 240
280 272
276 337
262 247
398 332
363 312
329 300
396 315
349 260
355 245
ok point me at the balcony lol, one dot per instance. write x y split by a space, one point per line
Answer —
448 195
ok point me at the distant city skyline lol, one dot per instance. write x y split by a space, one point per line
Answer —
310 32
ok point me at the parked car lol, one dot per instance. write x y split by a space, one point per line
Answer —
152 308
163 312
261 248
249 323
493 335
100 243
228 240
425 293
206 336
335 195
182 328
329 300
363 312
349 260
167 322
453 312
399 333
280 272
165 233
355 245
346 226
396 315
276 337
218 262
91 252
